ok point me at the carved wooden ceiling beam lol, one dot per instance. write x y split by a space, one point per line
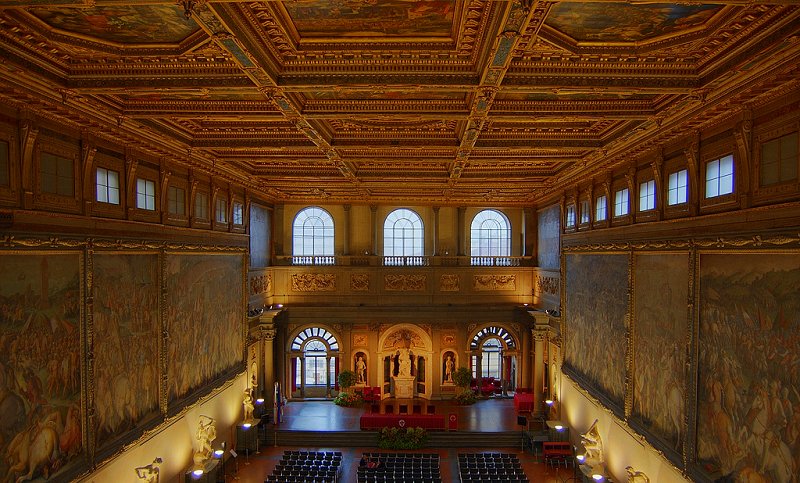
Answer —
521 15
193 4
242 48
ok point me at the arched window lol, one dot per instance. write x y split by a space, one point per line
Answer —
403 238
312 237
319 349
490 237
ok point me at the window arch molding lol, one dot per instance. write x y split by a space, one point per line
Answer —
495 331
305 335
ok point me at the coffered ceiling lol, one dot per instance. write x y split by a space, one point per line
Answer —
441 101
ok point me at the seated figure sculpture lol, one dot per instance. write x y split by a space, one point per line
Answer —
593 445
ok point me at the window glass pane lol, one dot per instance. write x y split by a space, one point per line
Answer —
600 208
403 234
313 233
490 234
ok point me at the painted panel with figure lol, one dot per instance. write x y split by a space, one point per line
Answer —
549 237
748 421
126 324
660 314
204 319
596 305
40 365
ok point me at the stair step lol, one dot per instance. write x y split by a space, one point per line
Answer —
436 439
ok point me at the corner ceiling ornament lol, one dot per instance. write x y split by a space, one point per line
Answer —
189 6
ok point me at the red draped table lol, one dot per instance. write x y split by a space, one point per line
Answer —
427 421
523 402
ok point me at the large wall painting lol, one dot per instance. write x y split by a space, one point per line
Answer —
660 314
596 306
748 421
126 325
40 365
549 237
204 319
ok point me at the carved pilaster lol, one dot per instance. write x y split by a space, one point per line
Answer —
743 134
28 132
657 166
88 151
630 339
692 153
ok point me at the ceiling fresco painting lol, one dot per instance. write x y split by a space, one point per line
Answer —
135 24
413 101
352 18
623 22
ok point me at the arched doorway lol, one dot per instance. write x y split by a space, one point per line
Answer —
493 360
313 363
405 362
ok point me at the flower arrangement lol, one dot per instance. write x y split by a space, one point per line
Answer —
465 398
397 438
348 399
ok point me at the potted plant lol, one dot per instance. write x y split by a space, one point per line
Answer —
347 379
462 377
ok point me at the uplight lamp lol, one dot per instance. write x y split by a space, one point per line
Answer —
198 473
559 427
597 477
246 425
549 402
218 453
581 458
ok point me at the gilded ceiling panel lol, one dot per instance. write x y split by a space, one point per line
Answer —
623 22
134 24
356 18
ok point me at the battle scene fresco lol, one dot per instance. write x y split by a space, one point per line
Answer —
660 314
337 18
133 24
596 305
40 365
622 22
126 326
204 319
748 421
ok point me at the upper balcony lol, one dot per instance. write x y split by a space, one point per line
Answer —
421 261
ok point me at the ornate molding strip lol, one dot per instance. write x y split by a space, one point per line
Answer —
755 241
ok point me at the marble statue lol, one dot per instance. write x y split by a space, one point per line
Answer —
361 371
448 369
405 363
248 405
206 433
593 445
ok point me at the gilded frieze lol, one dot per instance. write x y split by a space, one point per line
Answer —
359 282
548 285
494 282
449 283
405 282
313 282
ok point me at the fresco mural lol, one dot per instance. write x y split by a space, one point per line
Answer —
134 24
596 304
204 319
337 18
127 329
549 237
572 96
748 421
660 314
40 361
383 94
623 22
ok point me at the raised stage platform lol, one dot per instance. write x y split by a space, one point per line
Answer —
490 415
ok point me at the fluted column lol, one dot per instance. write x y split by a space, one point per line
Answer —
462 242
346 233
539 337
373 220
435 231
525 360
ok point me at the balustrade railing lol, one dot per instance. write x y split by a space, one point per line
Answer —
406 261
415 261
314 260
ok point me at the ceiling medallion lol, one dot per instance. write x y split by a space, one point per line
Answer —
189 6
